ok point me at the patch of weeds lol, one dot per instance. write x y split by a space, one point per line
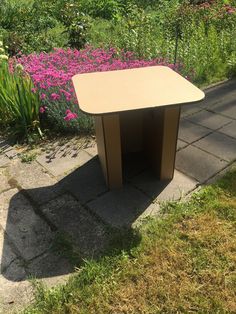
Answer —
44 296
28 157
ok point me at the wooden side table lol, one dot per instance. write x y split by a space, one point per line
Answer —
135 110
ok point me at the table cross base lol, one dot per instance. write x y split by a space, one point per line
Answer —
152 131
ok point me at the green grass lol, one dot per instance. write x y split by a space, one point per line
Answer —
18 105
28 157
185 262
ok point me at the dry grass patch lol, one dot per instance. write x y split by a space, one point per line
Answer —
185 263
193 270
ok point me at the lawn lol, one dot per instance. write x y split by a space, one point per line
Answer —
183 261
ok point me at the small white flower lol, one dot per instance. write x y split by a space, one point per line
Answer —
19 67
1 43
3 57
1 50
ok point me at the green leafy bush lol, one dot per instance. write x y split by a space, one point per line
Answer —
76 23
134 32
106 9
199 34
30 26
201 37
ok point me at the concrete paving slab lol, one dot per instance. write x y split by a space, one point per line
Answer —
222 173
191 132
26 230
92 149
14 296
11 267
69 216
209 119
219 93
4 145
164 190
12 293
63 160
229 129
15 271
48 266
226 108
4 161
198 164
151 211
181 144
219 145
9 256
188 110
87 182
121 208
11 153
35 180
4 185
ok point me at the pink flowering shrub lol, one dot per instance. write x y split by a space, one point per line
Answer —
70 115
52 72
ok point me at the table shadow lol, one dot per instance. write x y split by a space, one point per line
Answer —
50 239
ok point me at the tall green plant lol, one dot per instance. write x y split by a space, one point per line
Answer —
19 105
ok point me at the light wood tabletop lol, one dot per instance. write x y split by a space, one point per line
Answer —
131 89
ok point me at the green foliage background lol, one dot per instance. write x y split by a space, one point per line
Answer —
206 44
201 38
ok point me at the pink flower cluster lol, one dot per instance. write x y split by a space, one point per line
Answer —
229 9
70 115
211 5
42 109
52 72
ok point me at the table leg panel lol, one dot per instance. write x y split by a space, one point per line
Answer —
161 133
109 148
169 144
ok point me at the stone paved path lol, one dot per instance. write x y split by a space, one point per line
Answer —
57 207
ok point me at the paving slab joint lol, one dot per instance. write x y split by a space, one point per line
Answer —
199 138
37 210
204 136
209 153
211 179
97 218
29 261
14 184
218 113
90 200
183 115
153 199
45 170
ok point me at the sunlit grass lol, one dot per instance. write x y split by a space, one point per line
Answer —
184 263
